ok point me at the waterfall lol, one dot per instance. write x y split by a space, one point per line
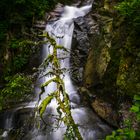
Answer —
8 123
90 125
62 31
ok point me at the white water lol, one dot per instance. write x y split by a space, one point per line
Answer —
91 127
62 31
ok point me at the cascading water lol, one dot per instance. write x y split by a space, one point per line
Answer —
8 122
62 31
90 126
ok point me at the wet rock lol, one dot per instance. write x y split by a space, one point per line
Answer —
14 118
55 14
90 58
17 122
40 24
80 46
112 68
21 117
86 2
96 66
106 112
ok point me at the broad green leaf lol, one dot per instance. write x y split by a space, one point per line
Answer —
132 134
48 59
134 108
137 97
137 103
44 104
110 138
61 48
48 82
138 116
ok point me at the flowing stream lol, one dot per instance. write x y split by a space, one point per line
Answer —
90 125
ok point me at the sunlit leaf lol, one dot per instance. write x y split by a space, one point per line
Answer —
137 97
44 104
135 108
132 134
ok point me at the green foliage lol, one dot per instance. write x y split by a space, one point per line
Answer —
130 9
24 8
16 14
19 61
17 88
20 43
59 94
122 134
21 50
44 104
15 43
129 133
3 30
136 107
16 18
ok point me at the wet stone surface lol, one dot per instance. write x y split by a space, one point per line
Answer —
84 28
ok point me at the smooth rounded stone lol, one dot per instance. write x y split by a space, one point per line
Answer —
106 112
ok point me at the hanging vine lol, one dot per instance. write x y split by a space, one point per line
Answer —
60 94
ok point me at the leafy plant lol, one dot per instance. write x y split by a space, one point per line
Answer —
3 30
19 61
129 133
136 107
130 9
21 50
59 94
17 88
122 134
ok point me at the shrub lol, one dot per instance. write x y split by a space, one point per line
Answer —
129 132
130 9
18 88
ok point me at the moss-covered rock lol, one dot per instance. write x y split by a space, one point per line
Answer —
112 70
106 112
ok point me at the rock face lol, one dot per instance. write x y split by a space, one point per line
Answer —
106 112
105 59
80 46
113 59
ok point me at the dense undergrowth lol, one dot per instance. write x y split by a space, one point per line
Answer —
129 131
17 34
129 10
18 87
